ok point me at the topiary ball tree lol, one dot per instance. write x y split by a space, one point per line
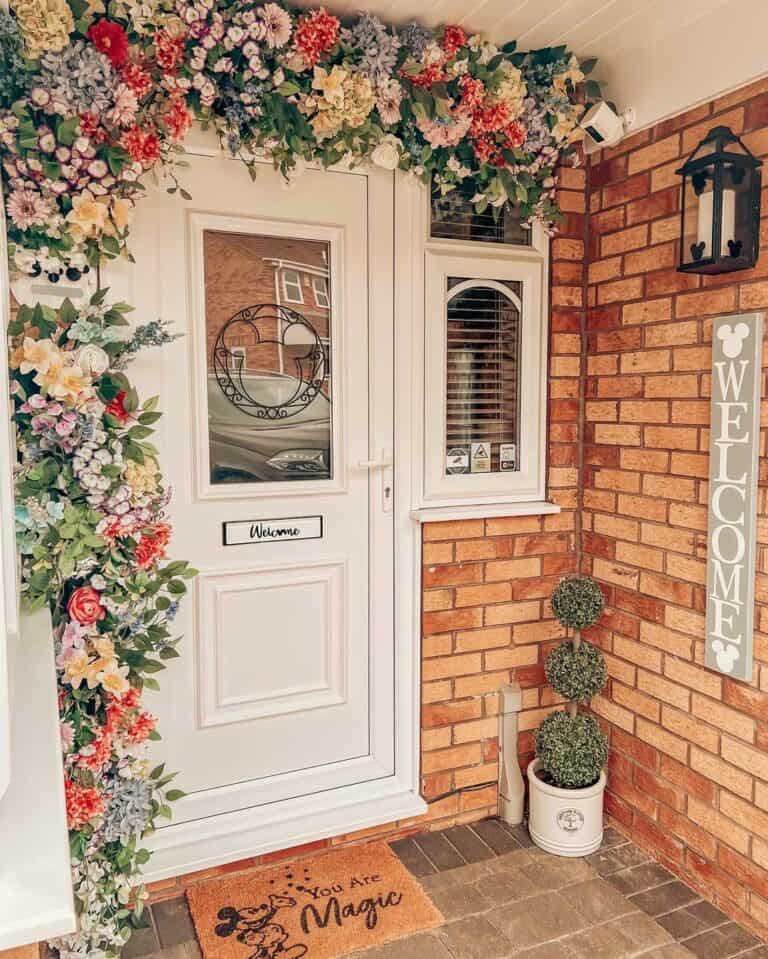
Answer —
572 750
577 602
576 672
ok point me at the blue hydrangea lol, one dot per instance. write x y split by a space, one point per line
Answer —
416 38
13 76
127 809
80 77
378 45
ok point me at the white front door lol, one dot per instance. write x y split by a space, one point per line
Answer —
276 438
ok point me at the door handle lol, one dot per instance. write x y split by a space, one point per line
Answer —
374 464
384 463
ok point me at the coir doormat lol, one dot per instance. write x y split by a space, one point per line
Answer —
318 908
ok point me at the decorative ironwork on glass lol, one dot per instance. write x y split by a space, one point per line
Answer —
293 329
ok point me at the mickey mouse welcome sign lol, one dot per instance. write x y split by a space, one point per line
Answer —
737 343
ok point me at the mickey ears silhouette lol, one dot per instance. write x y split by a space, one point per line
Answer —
232 917
732 338
726 655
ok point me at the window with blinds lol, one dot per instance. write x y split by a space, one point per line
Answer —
482 375
453 217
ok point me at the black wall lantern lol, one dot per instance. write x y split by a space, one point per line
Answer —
721 206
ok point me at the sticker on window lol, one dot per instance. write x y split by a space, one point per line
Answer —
481 457
507 456
457 460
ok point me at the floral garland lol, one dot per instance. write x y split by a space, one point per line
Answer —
91 531
95 98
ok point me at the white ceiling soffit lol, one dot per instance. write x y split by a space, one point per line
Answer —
659 56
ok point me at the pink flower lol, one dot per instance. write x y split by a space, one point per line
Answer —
27 209
178 119
67 736
123 112
277 25
444 133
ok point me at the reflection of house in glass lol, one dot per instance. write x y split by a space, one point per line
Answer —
243 270
267 317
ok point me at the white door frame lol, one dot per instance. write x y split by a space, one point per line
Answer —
228 837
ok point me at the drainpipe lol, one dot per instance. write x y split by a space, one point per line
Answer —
511 786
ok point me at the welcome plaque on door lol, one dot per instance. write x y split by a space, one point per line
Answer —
242 532
737 343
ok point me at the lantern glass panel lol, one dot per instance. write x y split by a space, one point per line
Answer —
698 210
737 210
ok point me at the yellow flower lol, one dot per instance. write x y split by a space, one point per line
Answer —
512 90
114 679
35 355
45 24
64 379
572 74
567 130
326 123
87 215
141 477
331 85
76 667
121 212
358 99
104 647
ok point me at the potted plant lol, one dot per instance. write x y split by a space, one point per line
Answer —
566 779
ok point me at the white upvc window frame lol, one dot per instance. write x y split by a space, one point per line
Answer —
524 488
294 286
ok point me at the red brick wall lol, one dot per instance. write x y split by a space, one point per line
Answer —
689 759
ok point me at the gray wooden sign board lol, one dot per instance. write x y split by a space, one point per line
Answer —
737 344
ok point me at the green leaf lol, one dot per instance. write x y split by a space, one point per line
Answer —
173 795
588 65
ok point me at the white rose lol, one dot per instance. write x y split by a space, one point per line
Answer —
92 360
387 152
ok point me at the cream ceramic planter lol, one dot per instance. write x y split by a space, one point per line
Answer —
565 822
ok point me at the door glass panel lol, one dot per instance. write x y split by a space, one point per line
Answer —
268 342
482 376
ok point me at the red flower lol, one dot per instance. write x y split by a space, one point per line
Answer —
109 38
316 32
487 151
140 731
169 51
99 750
152 545
137 79
490 119
432 73
84 804
453 39
472 93
116 407
85 606
90 127
142 146
515 134
178 119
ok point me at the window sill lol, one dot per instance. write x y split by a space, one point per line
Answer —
439 514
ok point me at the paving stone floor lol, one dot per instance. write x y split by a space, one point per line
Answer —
502 898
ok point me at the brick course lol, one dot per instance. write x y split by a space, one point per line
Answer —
689 768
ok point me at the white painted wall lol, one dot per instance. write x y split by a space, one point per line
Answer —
723 50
